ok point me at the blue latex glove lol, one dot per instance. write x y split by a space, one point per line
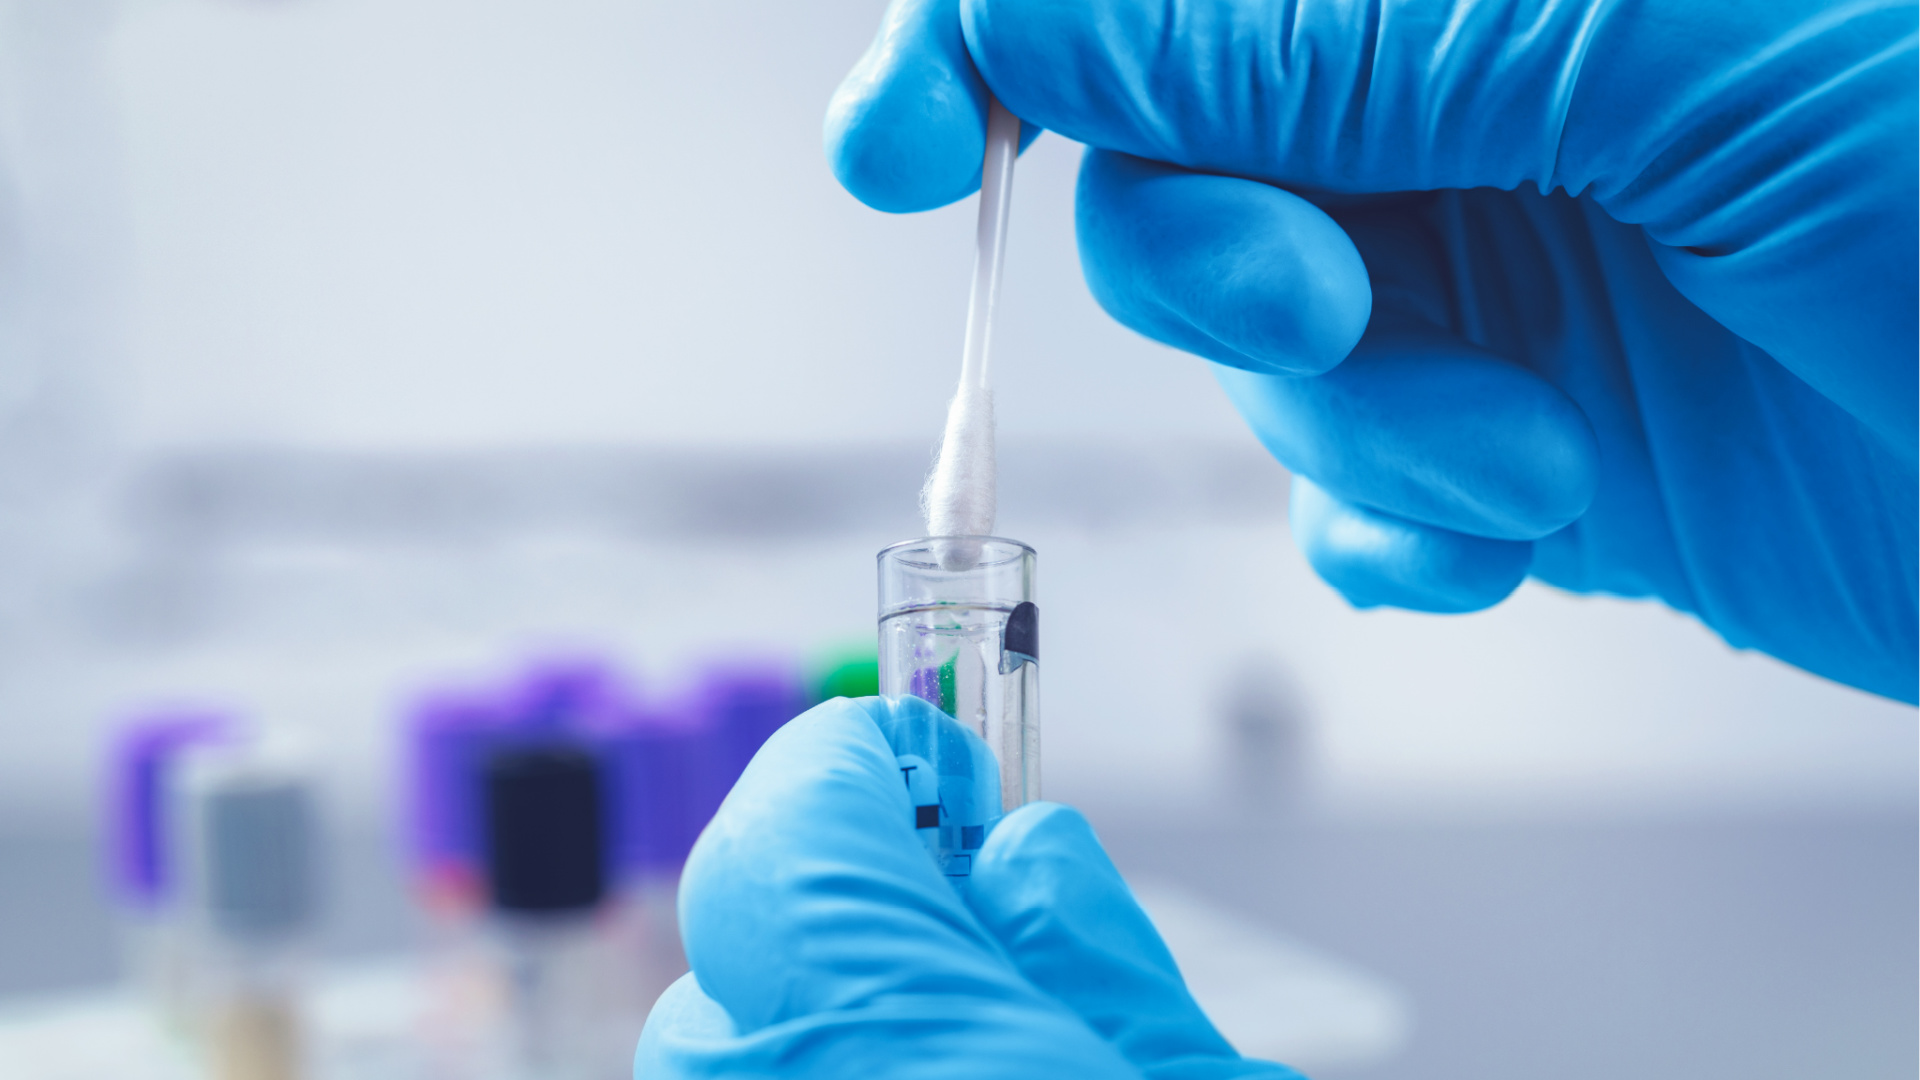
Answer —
825 943
1687 372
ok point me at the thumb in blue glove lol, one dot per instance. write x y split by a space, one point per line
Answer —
824 941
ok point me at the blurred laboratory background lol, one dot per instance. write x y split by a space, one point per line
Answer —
427 423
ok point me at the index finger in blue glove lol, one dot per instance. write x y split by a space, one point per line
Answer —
829 944
1418 423
1237 271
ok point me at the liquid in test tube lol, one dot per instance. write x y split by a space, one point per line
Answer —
966 642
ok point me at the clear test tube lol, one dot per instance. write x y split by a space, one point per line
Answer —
967 642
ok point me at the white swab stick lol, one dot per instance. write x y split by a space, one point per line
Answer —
989 239
959 497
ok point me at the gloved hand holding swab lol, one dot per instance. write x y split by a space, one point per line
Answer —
959 496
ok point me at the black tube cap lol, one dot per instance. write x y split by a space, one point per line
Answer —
543 842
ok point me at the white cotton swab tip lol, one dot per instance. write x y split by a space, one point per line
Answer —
959 497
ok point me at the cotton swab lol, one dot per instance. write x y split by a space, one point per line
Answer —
959 496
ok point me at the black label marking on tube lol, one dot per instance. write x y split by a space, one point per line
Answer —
1020 641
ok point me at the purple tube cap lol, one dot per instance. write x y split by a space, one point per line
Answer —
140 868
747 701
567 694
446 732
668 771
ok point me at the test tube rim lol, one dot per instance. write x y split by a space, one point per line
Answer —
1021 549
981 585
